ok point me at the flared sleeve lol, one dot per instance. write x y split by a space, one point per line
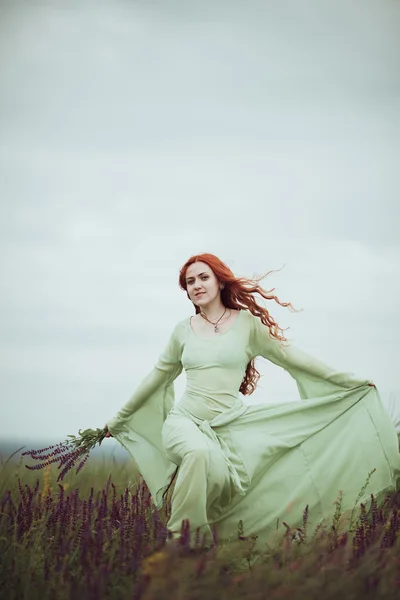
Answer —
163 374
138 424
313 378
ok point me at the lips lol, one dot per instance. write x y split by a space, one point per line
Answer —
198 295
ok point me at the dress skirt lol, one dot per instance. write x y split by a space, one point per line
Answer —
264 464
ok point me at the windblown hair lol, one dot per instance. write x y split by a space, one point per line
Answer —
238 293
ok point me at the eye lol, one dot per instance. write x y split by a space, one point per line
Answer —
192 282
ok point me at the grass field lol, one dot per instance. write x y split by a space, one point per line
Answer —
93 537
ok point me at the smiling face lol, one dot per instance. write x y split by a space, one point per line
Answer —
200 278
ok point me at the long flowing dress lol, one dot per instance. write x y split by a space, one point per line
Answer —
260 464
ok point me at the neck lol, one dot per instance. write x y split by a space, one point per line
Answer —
213 312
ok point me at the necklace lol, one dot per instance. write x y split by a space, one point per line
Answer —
216 329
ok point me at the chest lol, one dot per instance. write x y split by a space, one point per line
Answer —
225 351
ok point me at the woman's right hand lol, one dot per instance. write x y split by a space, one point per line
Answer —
108 434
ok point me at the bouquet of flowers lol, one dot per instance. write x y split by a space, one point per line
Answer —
70 453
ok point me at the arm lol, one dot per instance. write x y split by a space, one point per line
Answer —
314 378
164 372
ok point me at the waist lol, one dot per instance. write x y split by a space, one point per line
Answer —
206 407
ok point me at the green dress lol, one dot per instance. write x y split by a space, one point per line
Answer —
261 464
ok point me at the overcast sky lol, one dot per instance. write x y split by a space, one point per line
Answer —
134 134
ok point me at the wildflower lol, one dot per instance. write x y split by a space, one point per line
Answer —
73 451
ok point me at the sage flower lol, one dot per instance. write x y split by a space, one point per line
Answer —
68 454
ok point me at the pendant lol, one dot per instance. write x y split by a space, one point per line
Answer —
216 329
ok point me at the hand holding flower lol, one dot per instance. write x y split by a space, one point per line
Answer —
108 433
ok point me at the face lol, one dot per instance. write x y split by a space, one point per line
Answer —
200 278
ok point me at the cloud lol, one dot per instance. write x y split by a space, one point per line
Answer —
137 134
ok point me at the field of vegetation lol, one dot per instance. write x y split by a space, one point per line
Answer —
94 538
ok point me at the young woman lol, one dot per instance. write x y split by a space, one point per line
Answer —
261 464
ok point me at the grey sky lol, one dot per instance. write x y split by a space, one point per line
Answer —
134 134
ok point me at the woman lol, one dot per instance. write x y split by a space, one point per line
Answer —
261 464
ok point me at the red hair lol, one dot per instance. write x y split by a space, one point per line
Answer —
238 294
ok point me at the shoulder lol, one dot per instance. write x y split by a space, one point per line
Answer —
180 328
251 319
257 329
254 320
247 314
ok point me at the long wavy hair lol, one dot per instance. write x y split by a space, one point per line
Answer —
238 293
